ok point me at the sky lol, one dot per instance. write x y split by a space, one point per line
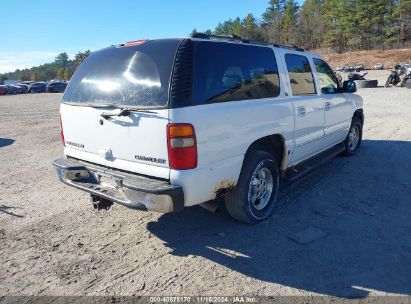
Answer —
34 32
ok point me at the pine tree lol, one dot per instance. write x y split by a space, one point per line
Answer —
390 23
250 29
403 13
273 21
290 22
62 60
311 26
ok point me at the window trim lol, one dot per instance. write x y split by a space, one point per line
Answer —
312 75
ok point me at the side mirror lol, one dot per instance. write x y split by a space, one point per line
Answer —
349 86
328 90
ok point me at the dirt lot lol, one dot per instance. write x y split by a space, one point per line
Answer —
389 58
53 243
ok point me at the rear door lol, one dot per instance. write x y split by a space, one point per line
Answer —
308 108
136 78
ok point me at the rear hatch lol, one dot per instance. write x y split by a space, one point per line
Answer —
115 109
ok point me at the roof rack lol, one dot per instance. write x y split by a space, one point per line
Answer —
238 38
212 36
287 46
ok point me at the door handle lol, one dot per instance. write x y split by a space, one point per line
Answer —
328 106
301 111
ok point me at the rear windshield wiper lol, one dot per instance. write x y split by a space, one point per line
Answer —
125 112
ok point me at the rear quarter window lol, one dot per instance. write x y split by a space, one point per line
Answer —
229 72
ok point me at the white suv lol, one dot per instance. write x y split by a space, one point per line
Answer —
165 124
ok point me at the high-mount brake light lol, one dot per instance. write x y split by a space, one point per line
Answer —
182 146
61 131
134 43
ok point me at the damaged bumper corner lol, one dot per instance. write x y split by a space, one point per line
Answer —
130 190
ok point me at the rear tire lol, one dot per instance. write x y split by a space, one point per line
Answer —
388 82
354 138
254 198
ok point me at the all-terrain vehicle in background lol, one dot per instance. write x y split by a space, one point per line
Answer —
165 124
395 76
355 75
359 67
407 74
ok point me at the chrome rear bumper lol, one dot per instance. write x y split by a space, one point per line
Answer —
130 190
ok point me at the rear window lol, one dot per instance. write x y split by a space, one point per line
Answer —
228 72
137 76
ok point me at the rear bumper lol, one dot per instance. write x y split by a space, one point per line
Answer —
130 190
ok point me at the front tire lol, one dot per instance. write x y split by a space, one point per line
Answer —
354 138
388 82
254 198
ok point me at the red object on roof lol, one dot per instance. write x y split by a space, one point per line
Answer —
137 42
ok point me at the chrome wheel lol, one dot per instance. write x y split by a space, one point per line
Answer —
260 187
353 138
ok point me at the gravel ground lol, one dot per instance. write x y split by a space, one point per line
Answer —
52 242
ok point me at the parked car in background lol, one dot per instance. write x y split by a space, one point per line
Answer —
11 90
378 66
56 87
26 83
25 87
37 87
21 88
3 90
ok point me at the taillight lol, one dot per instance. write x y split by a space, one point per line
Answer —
61 132
182 146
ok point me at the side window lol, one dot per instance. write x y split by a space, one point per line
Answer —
301 77
228 72
326 77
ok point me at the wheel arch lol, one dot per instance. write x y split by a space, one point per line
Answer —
273 144
360 114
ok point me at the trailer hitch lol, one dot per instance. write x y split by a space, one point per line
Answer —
100 203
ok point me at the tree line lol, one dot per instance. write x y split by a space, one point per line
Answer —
343 25
62 68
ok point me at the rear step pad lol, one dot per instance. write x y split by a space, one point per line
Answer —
296 172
